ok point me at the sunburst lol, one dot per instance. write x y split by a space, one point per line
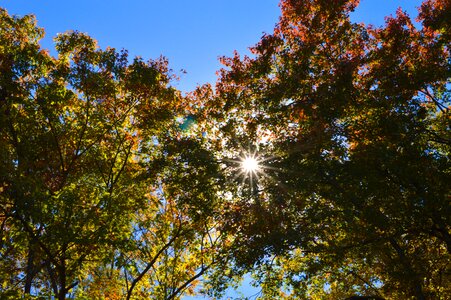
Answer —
250 164
254 170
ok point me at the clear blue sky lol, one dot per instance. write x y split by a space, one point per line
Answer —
192 34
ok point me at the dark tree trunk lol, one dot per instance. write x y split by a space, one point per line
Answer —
62 275
30 271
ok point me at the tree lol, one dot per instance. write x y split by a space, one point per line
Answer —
113 185
99 194
351 127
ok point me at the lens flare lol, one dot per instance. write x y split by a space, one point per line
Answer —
250 164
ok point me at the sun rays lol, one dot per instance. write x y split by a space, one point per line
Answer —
250 164
251 167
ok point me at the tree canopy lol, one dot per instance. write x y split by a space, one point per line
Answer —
320 165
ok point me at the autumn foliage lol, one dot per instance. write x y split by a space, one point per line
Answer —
115 186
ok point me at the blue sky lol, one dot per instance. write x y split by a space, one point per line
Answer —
192 34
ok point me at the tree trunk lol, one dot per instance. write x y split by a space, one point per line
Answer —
62 275
30 271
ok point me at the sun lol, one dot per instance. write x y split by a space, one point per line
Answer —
249 164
